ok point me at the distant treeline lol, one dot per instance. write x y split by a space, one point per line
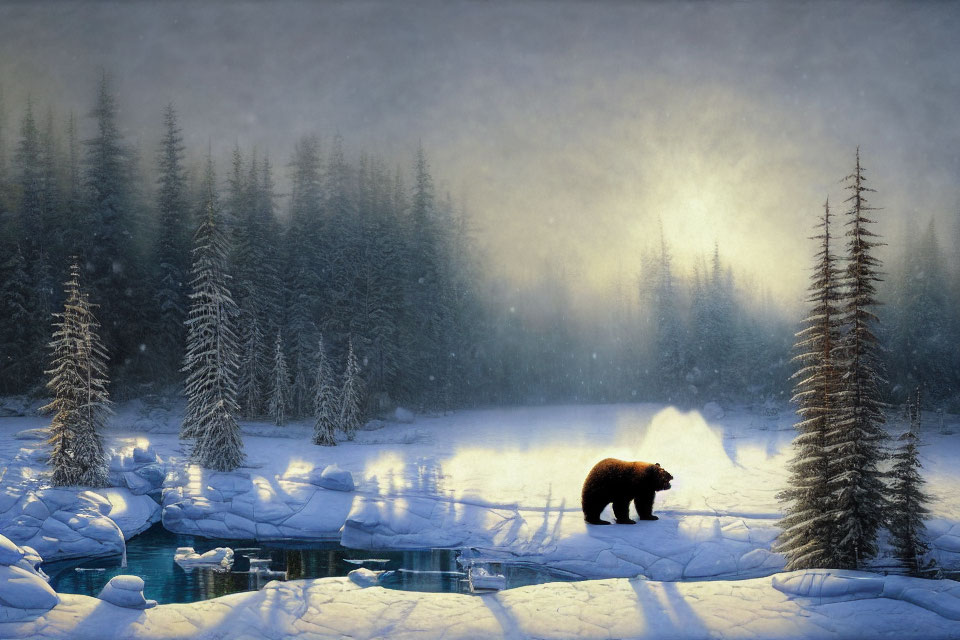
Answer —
365 250
360 255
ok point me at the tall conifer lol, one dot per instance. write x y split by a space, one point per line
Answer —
211 358
808 530
855 442
81 403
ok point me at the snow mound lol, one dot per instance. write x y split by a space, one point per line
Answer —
335 479
25 592
828 584
373 425
712 411
365 577
126 591
73 522
187 558
941 597
40 433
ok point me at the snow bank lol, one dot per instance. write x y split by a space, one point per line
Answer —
127 592
242 505
942 597
74 522
24 591
618 608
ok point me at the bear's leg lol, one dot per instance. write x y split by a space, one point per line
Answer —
644 505
621 509
592 511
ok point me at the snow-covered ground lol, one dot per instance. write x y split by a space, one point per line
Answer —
504 483
800 605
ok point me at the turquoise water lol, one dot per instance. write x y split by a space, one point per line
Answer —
150 556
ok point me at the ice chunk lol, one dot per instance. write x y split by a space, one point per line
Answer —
126 591
365 577
483 580
362 561
334 478
187 558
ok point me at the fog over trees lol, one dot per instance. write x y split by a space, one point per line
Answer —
357 246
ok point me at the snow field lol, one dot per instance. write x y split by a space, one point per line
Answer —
504 484
769 608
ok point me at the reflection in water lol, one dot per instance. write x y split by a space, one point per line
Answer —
150 556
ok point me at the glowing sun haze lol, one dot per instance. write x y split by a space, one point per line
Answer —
568 129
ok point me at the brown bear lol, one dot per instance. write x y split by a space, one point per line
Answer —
619 482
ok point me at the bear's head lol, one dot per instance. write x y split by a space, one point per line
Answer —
663 477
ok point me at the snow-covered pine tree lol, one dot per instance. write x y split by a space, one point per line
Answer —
855 443
81 403
211 358
908 501
351 395
325 401
808 532
279 384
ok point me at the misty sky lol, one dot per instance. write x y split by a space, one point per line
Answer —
568 128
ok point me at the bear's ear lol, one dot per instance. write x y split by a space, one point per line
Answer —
656 464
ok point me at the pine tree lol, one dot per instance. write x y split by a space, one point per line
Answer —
280 384
81 404
22 337
304 261
351 395
52 198
808 531
425 289
31 210
325 402
856 439
211 358
908 500
669 355
109 230
253 372
172 250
